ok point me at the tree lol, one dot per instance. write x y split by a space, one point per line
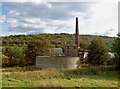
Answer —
19 55
36 48
12 56
8 52
84 45
116 51
98 52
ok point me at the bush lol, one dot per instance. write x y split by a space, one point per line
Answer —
26 55
98 52
5 60
116 51
36 48
8 53
12 56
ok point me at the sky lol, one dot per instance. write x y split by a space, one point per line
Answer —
96 17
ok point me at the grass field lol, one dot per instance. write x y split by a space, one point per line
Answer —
83 77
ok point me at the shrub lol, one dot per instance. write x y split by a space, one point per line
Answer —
98 52
12 56
36 48
116 50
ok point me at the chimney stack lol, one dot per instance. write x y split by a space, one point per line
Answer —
77 33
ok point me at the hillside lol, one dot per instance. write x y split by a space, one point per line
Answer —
58 40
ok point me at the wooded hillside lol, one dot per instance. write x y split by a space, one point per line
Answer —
57 40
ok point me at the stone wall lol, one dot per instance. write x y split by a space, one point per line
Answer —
71 50
57 62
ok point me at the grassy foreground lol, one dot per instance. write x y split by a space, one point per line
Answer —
83 77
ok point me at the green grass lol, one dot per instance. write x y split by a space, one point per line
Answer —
83 77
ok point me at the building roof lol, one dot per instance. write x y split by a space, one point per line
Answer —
58 51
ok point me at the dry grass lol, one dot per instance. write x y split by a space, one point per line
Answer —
83 77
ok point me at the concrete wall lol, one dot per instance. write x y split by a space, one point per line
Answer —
57 62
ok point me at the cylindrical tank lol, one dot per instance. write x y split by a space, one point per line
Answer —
57 62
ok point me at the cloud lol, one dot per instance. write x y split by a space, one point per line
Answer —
108 32
50 17
57 17
104 17
51 10
39 1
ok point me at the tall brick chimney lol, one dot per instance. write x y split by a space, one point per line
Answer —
77 33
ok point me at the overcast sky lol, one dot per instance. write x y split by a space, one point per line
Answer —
96 17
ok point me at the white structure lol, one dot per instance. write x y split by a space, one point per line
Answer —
0 50
58 51
111 54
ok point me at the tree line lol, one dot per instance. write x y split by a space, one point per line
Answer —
25 55
58 40
22 49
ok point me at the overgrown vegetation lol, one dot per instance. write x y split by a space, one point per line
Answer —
116 50
25 55
58 40
98 52
21 50
86 76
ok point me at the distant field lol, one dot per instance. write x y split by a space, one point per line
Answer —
82 77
